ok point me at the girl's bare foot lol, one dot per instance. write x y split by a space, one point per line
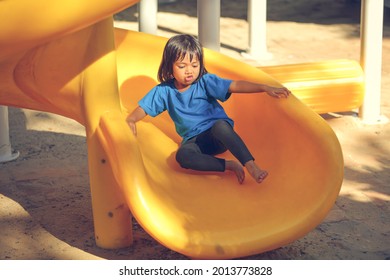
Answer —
237 169
258 174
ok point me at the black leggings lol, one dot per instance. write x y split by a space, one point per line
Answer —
198 152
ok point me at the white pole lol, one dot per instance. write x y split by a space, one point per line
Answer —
371 58
147 16
6 153
257 20
209 13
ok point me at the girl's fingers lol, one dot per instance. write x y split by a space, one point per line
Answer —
285 92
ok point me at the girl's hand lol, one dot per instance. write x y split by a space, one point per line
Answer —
137 115
133 126
277 92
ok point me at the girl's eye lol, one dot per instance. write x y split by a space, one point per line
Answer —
180 66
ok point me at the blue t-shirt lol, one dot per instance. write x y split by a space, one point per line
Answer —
194 110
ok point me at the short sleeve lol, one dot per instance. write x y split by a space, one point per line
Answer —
153 102
217 87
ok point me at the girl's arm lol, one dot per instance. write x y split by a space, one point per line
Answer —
249 87
137 115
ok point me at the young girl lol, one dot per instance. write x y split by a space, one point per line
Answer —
190 95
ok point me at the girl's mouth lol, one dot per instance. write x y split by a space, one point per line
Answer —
188 79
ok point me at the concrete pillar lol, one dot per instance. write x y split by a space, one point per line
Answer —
209 13
147 16
371 59
6 153
257 20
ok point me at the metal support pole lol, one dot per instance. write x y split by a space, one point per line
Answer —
147 19
257 20
6 153
209 13
371 59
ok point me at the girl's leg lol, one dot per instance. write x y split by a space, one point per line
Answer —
197 154
191 156
225 133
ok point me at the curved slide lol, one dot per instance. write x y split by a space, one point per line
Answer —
208 216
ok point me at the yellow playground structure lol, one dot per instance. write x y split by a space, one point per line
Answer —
66 58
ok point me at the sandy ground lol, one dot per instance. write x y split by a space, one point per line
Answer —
45 204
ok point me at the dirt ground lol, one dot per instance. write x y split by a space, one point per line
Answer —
45 204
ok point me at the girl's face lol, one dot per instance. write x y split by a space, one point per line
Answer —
185 72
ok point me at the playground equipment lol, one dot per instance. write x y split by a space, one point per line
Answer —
371 30
81 68
6 152
326 86
211 216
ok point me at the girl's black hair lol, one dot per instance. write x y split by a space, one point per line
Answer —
177 48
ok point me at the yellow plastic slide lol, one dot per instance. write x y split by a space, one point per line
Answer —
211 215
77 71
324 86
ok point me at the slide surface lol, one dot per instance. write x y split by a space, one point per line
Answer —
74 69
